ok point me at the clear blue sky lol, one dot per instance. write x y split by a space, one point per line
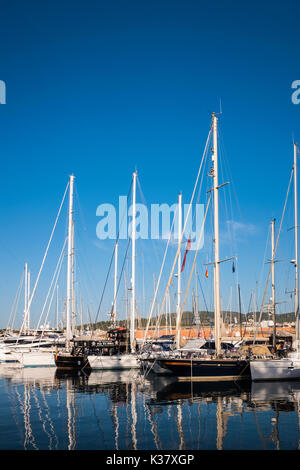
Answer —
101 88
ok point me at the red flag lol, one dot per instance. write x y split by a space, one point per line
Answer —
188 247
206 273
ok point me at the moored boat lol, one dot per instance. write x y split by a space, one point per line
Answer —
283 368
207 369
214 365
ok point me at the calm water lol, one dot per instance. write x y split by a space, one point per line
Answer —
40 409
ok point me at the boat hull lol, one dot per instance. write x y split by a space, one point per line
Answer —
207 370
38 359
71 362
275 369
8 356
114 362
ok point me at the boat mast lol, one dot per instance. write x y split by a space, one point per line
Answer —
69 266
179 272
273 282
28 304
296 247
217 306
73 282
57 287
132 319
115 285
25 297
197 317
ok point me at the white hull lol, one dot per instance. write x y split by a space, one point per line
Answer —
37 359
275 369
7 355
117 362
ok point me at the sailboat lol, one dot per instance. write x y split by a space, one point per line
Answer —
27 348
71 358
217 367
284 368
115 358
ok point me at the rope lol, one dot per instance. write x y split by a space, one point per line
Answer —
179 244
111 261
275 248
43 262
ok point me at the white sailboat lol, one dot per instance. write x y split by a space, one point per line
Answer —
120 361
44 352
28 348
286 368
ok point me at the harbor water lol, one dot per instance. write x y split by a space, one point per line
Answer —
44 409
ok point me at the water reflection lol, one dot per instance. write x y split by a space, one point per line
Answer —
42 408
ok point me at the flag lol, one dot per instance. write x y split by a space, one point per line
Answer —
188 247
206 273
233 268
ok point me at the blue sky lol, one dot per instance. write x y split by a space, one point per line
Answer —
101 88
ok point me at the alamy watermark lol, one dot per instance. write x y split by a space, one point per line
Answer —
296 94
2 92
160 222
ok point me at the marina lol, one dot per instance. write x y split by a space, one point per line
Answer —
149 242
162 376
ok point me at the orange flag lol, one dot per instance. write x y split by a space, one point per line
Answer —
206 273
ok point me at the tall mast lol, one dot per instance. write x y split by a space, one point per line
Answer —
179 272
57 287
132 319
73 282
28 302
69 265
197 317
217 305
25 297
296 247
273 282
115 284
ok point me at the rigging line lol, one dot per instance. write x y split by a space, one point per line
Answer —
275 248
202 178
195 257
112 258
277 239
43 261
227 169
80 211
106 280
121 273
82 237
154 245
81 260
225 158
51 284
158 282
15 303
202 293
179 244
54 287
225 192
265 255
